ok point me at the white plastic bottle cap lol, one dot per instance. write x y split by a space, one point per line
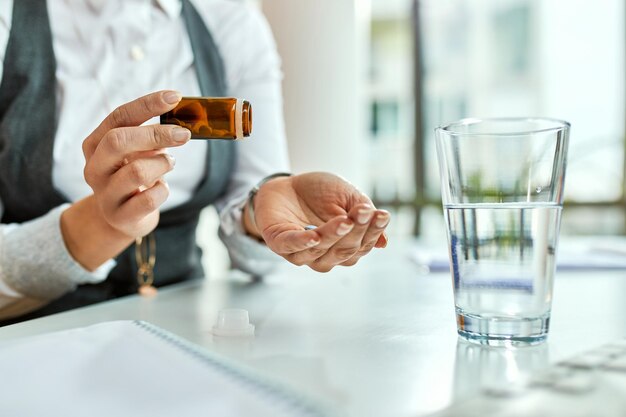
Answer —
233 322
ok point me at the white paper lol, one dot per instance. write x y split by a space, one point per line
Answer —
122 369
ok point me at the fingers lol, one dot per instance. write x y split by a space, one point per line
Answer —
346 247
289 238
133 113
376 228
121 143
340 239
382 241
301 246
357 243
140 205
343 240
375 232
126 162
141 173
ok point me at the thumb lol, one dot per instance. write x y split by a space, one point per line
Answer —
132 113
286 238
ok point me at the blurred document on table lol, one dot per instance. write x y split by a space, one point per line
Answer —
574 254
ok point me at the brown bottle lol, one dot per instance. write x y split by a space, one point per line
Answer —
212 118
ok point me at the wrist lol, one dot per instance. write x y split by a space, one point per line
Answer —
248 226
249 210
88 237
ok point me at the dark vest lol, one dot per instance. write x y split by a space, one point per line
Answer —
27 127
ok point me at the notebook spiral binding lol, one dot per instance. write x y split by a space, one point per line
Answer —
288 398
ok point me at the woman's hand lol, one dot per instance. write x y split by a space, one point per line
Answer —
126 162
125 167
347 224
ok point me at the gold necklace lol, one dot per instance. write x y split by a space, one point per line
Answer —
145 255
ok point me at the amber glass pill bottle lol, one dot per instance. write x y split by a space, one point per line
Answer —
212 118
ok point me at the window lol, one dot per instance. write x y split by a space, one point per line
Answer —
506 58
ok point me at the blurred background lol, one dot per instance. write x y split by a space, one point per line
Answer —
367 81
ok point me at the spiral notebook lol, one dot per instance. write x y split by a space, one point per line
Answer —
133 368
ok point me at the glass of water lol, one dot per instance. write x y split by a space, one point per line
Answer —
502 193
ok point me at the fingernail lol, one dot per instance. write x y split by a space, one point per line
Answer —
180 134
171 159
172 97
382 220
344 228
312 243
364 215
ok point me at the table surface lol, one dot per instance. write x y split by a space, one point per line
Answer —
371 340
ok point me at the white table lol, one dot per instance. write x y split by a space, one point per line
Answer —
377 339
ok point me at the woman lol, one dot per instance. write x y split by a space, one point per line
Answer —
71 209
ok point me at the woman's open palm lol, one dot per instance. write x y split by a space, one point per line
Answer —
346 224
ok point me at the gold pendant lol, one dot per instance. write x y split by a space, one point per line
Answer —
147 290
145 255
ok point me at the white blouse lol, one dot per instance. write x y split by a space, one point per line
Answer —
109 52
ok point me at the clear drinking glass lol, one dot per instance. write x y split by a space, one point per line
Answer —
502 193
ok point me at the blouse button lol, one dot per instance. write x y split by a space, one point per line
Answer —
137 53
